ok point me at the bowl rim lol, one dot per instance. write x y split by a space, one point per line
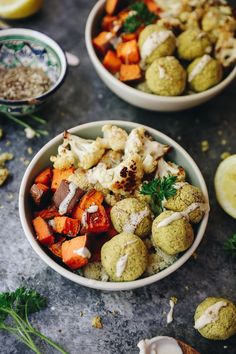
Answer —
95 284
133 91
48 41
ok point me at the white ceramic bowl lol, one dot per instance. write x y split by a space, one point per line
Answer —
92 130
134 96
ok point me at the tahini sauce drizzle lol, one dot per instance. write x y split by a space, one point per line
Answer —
210 315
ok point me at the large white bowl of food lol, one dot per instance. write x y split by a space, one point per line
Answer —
113 205
163 55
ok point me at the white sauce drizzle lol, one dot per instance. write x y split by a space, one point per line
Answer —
210 315
133 221
159 345
154 41
92 209
83 252
179 185
162 72
171 312
121 264
182 214
199 67
64 204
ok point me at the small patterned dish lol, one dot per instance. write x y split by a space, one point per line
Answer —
25 47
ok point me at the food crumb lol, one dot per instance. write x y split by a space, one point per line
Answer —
225 155
204 145
81 313
97 322
194 255
220 132
187 287
223 142
10 196
4 173
8 143
30 150
174 299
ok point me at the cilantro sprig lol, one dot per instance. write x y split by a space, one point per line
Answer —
159 189
15 307
230 245
142 16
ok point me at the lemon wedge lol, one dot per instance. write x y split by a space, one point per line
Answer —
225 185
16 9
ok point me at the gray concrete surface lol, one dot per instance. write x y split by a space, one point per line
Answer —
140 313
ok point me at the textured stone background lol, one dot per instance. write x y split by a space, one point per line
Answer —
140 313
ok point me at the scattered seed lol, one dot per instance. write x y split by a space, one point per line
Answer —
97 322
204 146
225 155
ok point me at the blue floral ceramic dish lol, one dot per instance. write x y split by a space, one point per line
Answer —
36 50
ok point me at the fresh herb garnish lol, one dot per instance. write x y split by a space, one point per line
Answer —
16 306
159 189
141 16
230 245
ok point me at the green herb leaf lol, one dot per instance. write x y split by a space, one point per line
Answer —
230 245
142 16
159 189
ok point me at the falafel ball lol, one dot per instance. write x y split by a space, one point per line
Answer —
184 197
193 43
124 257
166 77
173 238
204 73
95 270
132 216
155 42
215 318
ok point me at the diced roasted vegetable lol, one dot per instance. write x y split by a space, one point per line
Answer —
39 193
66 197
112 6
43 231
107 22
49 213
128 52
111 62
59 175
65 225
130 72
92 197
45 177
56 248
102 42
96 222
75 253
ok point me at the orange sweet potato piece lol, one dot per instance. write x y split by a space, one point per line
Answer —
112 6
111 62
59 175
77 213
43 231
128 52
45 177
67 226
107 22
152 6
70 252
126 37
48 213
102 42
90 198
56 248
130 72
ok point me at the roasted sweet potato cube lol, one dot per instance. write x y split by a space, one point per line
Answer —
112 6
39 193
107 22
111 62
49 213
59 175
130 72
90 198
75 253
102 42
65 225
128 52
56 248
61 195
45 177
152 6
126 37
43 231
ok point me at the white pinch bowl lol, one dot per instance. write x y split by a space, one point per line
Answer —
91 131
133 96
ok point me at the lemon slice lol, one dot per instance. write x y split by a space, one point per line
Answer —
16 9
225 185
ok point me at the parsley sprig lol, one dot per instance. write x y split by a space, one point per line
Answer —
159 189
15 307
230 245
142 16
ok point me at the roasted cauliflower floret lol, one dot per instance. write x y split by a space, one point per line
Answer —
225 49
139 142
113 137
218 17
111 158
79 178
122 179
77 151
169 168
